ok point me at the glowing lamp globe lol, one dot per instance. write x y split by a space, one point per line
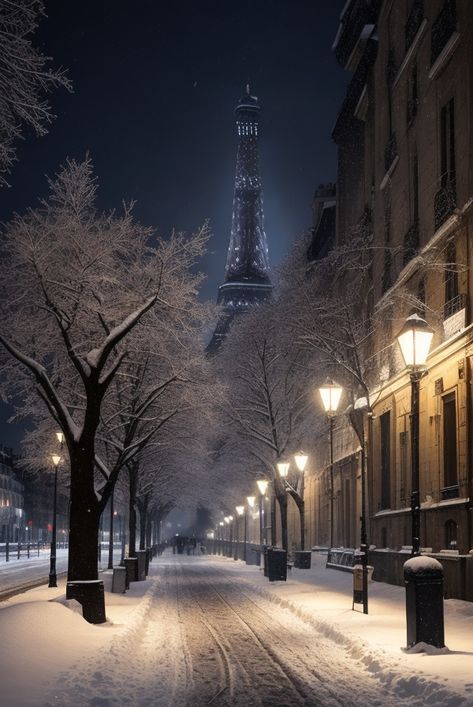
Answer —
240 510
56 459
414 341
330 393
251 501
262 486
283 468
301 460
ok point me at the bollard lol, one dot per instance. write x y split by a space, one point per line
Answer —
423 577
277 564
119 580
90 594
7 552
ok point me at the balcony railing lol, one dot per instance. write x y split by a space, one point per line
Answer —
443 28
449 492
390 151
414 22
411 243
454 305
445 202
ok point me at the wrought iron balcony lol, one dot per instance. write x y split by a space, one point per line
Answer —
445 202
454 305
390 151
411 243
443 28
449 492
414 22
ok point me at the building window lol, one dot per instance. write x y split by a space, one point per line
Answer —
451 274
385 422
445 199
450 473
451 529
447 144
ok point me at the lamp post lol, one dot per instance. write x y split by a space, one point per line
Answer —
414 341
262 486
221 535
297 490
52 560
250 505
330 394
240 511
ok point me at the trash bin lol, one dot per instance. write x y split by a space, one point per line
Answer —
277 564
119 580
131 565
90 594
141 572
302 559
423 577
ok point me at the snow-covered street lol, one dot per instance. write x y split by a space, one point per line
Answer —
206 630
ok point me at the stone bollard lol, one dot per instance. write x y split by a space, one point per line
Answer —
423 577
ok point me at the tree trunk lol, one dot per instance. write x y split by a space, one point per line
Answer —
282 500
143 510
83 522
131 513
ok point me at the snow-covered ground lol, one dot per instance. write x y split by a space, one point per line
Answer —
205 630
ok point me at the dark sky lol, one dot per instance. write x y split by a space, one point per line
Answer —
155 87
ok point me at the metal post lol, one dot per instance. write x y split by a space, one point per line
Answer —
236 551
415 494
331 481
363 533
245 532
52 561
261 524
110 539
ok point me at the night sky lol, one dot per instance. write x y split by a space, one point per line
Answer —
155 87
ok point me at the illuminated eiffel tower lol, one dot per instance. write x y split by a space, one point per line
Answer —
247 270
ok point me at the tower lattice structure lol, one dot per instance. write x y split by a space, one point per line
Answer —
247 280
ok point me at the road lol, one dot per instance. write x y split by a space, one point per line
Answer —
205 637
23 573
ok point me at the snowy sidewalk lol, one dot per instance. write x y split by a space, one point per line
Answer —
325 597
48 640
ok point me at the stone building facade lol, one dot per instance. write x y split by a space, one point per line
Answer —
404 144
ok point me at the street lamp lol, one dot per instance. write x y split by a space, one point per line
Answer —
251 504
331 393
240 511
262 485
52 560
297 491
60 438
414 341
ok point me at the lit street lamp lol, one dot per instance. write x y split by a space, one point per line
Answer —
297 490
331 394
262 486
414 341
251 504
52 561
240 511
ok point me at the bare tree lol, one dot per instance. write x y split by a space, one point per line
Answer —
24 78
78 285
268 404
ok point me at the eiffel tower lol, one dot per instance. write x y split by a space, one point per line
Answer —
247 270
